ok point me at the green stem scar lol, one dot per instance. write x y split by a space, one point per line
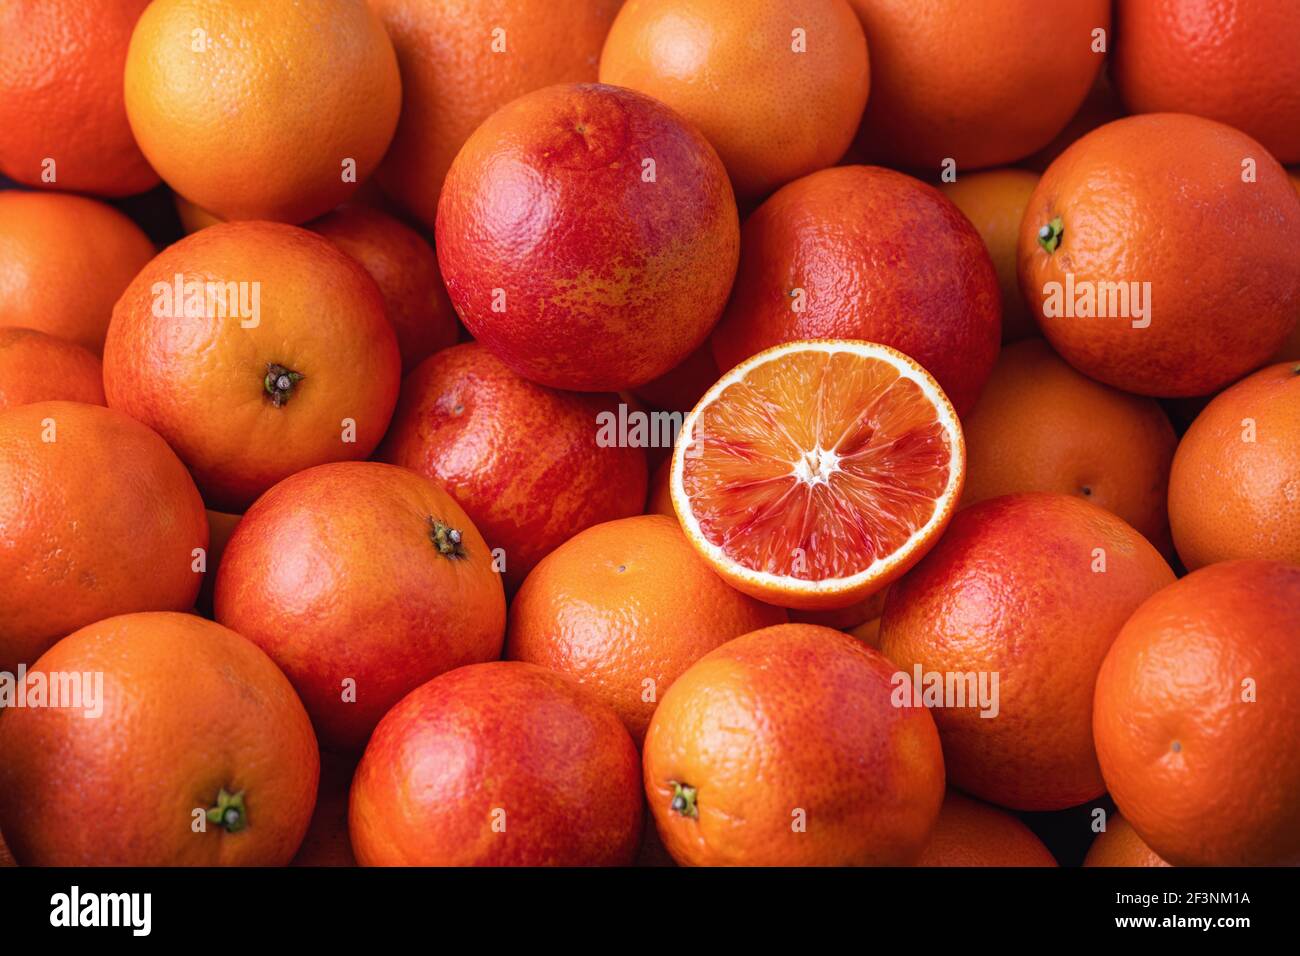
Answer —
229 811
446 539
279 382
1049 236
684 800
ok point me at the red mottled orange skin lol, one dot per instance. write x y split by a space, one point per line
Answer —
189 708
520 458
507 737
405 268
334 573
880 256
1011 589
970 833
787 718
609 280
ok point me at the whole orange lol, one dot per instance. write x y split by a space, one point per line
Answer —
625 607
970 833
64 260
1236 477
97 517
1140 254
588 237
498 764
405 268
1229 60
994 201
461 61
362 581
35 367
257 110
1042 426
1119 845
61 96
860 252
1197 717
1028 590
202 739
273 355
777 86
524 461
783 747
982 83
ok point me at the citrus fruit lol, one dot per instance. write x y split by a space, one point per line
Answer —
1029 591
970 833
253 110
35 367
1232 62
782 748
273 355
588 237
498 764
980 83
1042 426
860 252
994 201
1134 283
1234 491
327 842
1197 717
625 607
1119 845
814 473
524 461
61 96
64 260
97 517
405 268
362 581
460 62
776 86
196 725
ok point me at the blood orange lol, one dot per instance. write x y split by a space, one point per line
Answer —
816 472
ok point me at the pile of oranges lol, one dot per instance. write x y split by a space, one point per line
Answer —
765 432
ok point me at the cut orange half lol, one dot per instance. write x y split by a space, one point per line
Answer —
815 473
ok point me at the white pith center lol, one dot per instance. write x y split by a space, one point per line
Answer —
815 467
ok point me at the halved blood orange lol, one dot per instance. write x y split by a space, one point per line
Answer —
815 473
